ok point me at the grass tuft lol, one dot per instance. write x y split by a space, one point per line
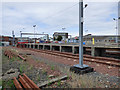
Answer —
8 84
22 68
52 67
44 71
59 83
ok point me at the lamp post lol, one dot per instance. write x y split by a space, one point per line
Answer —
63 31
63 28
34 31
13 41
116 28
81 33
21 36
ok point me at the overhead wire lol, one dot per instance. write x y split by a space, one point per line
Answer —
61 11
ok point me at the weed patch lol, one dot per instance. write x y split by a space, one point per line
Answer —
52 67
44 72
49 83
17 58
59 83
31 66
8 84
22 68
12 59
38 77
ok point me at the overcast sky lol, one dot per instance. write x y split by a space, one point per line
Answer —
53 16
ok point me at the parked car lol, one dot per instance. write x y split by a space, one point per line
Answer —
47 42
61 42
42 41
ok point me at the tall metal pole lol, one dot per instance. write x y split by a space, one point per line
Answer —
118 23
34 34
81 68
13 38
81 33
118 20
34 31
20 36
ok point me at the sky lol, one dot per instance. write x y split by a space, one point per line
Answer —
50 17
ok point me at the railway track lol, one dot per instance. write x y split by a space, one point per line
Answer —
101 60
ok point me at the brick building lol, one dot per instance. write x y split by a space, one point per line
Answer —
8 39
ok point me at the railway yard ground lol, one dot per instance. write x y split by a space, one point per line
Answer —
42 66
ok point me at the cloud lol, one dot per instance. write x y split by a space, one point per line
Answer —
99 18
59 0
52 16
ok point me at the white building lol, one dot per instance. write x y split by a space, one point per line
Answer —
63 34
5 43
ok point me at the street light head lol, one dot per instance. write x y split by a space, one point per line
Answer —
86 5
34 25
63 28
114 19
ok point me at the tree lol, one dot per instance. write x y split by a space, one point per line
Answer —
59 38
54 38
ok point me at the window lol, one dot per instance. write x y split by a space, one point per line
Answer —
3 38
10 39
105 40
110 38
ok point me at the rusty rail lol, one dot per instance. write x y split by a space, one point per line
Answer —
25 83
17 84
9 54
22 57
31 83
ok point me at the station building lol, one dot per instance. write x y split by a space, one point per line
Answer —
63 34
100 38
88 39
